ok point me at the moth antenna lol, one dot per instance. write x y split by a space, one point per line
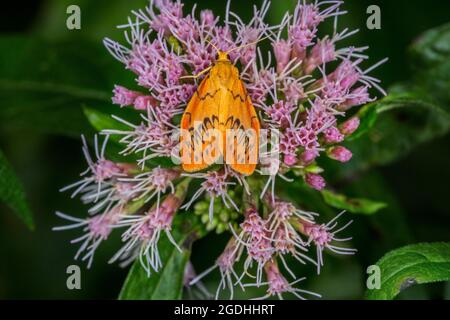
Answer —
212 44
247 45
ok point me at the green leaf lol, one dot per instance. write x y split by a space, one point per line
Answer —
410 265
167 284
11 192
101 120
405 119
305 197
429 58
353 205
431 61
412 108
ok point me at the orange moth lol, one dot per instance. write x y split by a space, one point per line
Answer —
220 122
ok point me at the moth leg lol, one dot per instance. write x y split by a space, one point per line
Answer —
198 75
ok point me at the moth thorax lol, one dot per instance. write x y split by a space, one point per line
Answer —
224 71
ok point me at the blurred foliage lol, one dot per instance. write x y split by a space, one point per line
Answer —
353 205
11 192
55 83
40 88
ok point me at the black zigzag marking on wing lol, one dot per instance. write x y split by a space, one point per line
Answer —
200 133
237 95
233 123
241 139
208 94
210 123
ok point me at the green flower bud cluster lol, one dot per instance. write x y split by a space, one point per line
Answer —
222 217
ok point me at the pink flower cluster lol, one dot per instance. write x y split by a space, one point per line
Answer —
286 231
303 98
114 191
302 89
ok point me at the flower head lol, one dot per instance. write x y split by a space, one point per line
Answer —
99 172
225 263
324 235
255 239
301 89
143 234
278 285
152 138
155 182
97 229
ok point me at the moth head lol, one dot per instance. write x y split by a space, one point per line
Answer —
222 56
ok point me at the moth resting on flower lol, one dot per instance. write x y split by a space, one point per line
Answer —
220 105
299 92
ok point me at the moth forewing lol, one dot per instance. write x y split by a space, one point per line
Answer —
186 147
241 146
213 146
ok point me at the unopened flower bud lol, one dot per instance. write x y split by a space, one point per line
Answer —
315 181
290 160
307 157
340 154
349 126
333 135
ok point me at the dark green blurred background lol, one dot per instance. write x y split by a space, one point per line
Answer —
33 263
